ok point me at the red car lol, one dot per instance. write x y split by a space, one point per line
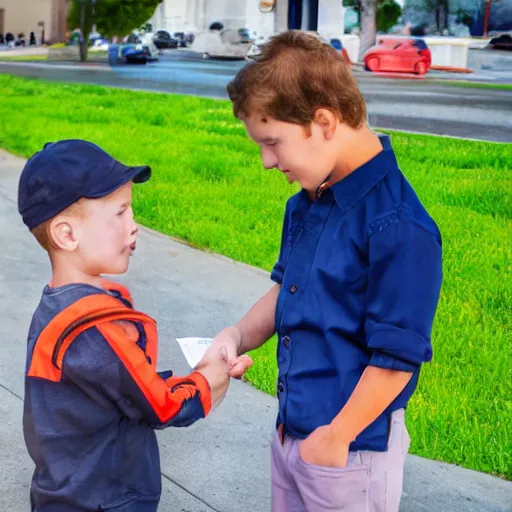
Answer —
399 55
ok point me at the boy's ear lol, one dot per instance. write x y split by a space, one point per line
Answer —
63 234
327 120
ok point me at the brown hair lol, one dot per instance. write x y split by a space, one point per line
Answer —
42 232
296 74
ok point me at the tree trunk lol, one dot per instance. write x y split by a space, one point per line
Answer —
368 24
84 47
445 14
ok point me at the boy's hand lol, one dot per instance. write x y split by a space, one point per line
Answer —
216 373
225 346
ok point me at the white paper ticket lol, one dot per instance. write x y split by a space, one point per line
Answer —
194 349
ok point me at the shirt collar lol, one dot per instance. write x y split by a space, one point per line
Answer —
359 182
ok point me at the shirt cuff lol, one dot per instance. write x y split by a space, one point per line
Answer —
381 360
401 344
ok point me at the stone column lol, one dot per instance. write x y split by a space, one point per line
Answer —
199 15
281 16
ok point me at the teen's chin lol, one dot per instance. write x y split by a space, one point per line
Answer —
289 176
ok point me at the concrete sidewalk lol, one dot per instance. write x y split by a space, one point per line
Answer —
221 464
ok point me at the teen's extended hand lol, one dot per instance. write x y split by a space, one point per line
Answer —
323 448
225 346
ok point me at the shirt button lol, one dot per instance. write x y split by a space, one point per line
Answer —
293 288
286 341
280 387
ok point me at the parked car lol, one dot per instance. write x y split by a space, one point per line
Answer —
100 44
403 55
501 42
138 49
184 39
255 48
163 39
222 43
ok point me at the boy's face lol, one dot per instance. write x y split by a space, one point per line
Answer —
106 233
304 155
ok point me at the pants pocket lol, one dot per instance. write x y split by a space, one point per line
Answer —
334 489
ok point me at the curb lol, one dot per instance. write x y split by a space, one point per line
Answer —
451 69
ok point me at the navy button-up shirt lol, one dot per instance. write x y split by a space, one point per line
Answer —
360 273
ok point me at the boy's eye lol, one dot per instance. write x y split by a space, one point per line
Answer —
121 212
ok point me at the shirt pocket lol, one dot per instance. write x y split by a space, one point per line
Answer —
344 266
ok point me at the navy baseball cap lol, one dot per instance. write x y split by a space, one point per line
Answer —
64 172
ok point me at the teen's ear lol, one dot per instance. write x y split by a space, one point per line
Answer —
63 234
327 121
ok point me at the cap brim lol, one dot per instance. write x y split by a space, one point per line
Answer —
141 174
119 176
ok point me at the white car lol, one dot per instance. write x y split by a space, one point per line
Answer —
222 44
255 48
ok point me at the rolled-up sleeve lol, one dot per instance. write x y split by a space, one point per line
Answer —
405 276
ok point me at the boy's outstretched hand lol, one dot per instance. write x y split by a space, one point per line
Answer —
225 346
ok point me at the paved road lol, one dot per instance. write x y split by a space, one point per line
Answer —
217 465
412 105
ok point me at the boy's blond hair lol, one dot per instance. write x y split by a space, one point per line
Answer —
296 74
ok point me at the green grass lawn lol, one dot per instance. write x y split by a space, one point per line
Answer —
22 58
472 85
210 190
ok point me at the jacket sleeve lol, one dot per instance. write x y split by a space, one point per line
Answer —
113 370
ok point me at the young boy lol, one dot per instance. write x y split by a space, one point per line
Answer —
93 396
357 283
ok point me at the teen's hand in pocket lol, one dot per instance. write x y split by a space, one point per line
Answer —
323 448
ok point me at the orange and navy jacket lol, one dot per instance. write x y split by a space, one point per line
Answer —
93 398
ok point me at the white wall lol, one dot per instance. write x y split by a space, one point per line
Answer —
24 15
331 18
171 15
197 15
230 12
262 23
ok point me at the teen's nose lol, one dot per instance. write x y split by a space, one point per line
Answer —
268 158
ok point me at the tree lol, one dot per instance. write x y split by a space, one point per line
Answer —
439 8
374 15
388 12
368 25
111 17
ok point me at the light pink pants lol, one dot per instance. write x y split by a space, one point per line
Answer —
371 481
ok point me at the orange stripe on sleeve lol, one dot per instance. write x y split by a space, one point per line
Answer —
90 311
185 386
164 402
